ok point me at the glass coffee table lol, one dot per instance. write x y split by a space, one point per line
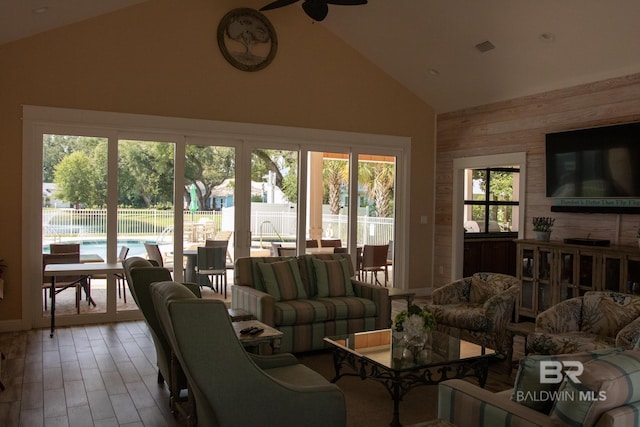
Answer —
385 357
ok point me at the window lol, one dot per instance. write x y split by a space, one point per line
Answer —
491 205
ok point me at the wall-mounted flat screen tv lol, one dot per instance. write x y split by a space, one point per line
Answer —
596 163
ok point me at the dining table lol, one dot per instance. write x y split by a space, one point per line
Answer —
82 270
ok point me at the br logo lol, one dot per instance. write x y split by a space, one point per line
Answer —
553 371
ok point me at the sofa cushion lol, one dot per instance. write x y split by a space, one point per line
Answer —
282 280
305 311
530 392
332 278
461 315
568 342
605 313
605 384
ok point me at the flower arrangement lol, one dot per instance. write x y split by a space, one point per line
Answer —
543 223
414 321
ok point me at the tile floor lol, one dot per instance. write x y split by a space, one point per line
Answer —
95 375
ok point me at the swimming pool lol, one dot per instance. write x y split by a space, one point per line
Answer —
99 247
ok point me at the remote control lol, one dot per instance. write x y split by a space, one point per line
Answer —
256 331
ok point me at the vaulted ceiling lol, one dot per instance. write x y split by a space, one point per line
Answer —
430 45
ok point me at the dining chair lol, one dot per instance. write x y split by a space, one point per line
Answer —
153 253
212 267
120 279
374 260
275 248
311 243
225 235
216 243
287 251
64 248
331 243
63 282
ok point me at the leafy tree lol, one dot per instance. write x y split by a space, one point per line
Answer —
207 167
74 177
145 173
277 162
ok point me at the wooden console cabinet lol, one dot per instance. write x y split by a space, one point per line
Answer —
554 271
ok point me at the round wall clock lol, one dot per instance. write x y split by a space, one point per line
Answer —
247 39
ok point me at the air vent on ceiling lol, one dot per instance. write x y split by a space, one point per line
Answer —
485 46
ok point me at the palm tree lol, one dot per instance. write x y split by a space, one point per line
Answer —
377 179
335 173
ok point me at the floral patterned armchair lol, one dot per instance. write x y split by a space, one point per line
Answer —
590 322
478 308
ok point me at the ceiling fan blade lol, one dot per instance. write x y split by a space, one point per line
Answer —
347 2
316 9
278 3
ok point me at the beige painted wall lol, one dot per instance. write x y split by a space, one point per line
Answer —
520 125
161 58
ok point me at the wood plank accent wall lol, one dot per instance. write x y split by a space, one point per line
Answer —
520 125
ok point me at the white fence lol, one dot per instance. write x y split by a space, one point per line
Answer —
268 222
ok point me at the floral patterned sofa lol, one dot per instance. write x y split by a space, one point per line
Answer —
594 321
478 308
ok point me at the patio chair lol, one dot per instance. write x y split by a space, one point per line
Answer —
120 279
212 268
153 253
374 260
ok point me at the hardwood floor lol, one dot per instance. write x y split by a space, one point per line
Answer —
96 375
102 375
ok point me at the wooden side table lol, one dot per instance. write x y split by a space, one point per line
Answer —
395 293
238 314
270 336
522 329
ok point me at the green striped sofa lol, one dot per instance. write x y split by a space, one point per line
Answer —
308 314
606 394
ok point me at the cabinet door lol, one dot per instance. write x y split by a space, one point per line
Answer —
632 274
612 275
588 269
544 273
526 271
567 286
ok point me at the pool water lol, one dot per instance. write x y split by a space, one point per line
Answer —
99 247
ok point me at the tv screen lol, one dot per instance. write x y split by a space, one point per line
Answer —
600 162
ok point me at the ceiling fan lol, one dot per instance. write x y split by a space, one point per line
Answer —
316 9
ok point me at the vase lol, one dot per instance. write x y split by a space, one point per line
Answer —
543 235
416 348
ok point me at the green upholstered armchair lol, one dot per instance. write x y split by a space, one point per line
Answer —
140 273
232 387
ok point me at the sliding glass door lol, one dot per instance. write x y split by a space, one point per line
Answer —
110 189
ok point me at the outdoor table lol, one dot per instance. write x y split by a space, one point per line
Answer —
81 269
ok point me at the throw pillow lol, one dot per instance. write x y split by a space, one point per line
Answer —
530 392
604 384
282 280
333 278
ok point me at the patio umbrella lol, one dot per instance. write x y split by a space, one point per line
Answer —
193 206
